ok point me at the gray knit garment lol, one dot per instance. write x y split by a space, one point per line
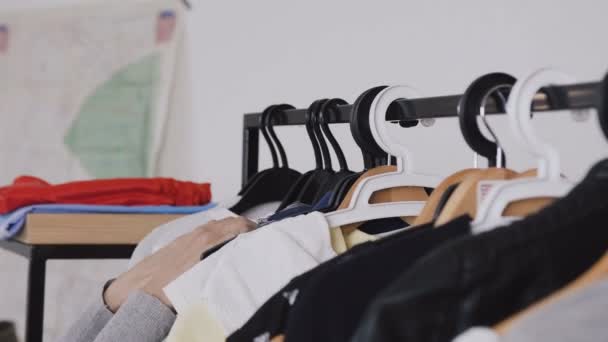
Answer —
142 318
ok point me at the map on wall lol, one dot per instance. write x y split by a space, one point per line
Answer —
110 135
85 91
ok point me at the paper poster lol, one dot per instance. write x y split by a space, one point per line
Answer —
86 89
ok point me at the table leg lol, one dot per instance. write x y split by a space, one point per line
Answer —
34 321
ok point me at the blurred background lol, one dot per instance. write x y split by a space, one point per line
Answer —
202 69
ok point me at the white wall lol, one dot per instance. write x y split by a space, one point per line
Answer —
249 54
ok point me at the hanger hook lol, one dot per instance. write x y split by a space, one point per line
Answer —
332 107
500 100
519 110
373 155
472 103
311 135
326 157
263 128
379 128
272 115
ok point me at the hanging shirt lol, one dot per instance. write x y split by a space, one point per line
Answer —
484 279
334 302
166 233
236 280
27 191
313 243
271 318
579 317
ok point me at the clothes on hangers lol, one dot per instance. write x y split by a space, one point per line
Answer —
235 281
578 317
198 324
485 278
341 242
27 190
331 307
337 292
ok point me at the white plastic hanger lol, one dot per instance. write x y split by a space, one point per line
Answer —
548 182
359 208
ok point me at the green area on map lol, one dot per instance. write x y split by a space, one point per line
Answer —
111 135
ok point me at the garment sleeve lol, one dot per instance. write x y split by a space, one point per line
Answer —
142 318
89 324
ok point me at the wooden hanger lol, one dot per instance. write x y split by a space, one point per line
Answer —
549 183
464 199
426 216
597 272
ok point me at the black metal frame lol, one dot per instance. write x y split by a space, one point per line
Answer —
575 96
37 256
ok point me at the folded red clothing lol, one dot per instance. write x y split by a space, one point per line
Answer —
27 190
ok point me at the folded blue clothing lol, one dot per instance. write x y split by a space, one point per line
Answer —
12 223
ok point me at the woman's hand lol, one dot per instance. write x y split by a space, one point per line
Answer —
159 269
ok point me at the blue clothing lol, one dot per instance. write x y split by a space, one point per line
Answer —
12 223
323 203
297 209
291 211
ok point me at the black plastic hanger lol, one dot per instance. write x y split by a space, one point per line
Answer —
497 85
330 107
295 190
308 192
271 147
372 154
274 183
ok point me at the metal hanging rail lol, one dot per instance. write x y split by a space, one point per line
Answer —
554 98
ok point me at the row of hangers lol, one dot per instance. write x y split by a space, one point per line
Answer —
391 186
396 177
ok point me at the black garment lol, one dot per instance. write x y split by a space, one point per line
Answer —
271 318
335 301
384 225
484 279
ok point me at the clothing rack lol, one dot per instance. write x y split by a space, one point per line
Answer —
567 97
